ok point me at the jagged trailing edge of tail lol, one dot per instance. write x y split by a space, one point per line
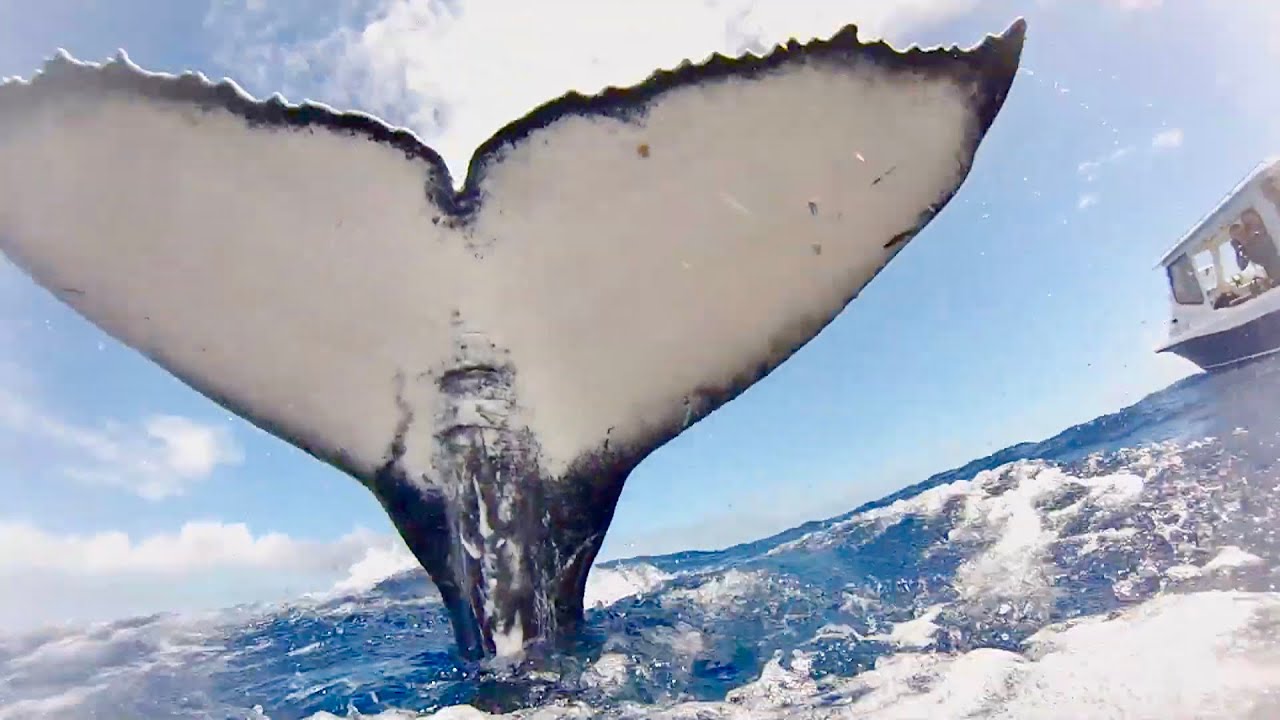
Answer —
492 362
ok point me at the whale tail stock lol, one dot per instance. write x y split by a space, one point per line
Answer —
491 362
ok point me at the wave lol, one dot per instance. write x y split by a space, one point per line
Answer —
1130 583
1201 655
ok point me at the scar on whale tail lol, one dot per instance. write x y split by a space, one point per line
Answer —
491 362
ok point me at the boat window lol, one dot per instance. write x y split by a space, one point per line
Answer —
1205 265
1182 279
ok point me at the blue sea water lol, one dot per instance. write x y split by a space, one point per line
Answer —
1127 567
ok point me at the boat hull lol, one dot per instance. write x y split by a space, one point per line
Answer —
1256 338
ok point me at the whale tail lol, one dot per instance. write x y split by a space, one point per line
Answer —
490 362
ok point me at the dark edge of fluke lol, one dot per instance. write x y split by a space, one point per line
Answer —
984 61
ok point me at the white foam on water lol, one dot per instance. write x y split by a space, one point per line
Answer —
928 503
683 639
1182 572
340 684
305 649
608 671
1190 656
61 704
1017 533
1211 654
836 630
1094 541
915 633
378 563
1230 558
118 653
60 672
724 590
856 601
608 585
1012 513
1012 565
1148 459
460 712
1203 655
778 686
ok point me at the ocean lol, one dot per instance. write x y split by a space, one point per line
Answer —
1125 568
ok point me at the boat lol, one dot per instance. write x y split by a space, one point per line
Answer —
1224 277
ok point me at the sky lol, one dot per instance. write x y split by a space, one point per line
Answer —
1031 303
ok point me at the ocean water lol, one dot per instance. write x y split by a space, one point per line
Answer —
1126 568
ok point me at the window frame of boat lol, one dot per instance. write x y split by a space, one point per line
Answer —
1189 274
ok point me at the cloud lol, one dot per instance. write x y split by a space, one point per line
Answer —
444 68
1137 4
204 565
1167 139
198 546
1089 169
156 458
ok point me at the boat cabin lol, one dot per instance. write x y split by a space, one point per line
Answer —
1223 274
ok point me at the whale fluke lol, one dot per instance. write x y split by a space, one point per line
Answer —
490 361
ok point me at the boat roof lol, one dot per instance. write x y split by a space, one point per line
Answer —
1225 209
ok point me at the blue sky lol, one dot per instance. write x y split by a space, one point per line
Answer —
1030 304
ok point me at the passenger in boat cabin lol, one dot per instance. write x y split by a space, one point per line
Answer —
1252 243
1262 247
1238 240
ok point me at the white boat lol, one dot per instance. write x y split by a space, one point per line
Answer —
1225 305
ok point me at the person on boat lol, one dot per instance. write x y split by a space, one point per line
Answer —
1238 242
1252 243
1259 244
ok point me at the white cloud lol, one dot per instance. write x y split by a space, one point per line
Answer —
199 546
205 565
156 458
1087 200
1089 169
457 71
1167 139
